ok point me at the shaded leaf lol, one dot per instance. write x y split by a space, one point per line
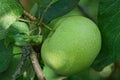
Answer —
27 72
5 56
59 8
7 75
10 11
109 24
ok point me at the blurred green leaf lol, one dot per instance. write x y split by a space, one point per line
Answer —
17 50
27 72
7 75
36 39
21 39
16 28
5 55
91 6
10 11
109 24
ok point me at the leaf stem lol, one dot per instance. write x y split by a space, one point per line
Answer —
43 15
46 26
30 16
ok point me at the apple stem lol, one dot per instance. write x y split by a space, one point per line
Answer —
47 27
27 21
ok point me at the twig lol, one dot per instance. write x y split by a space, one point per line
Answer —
36 66
33 18
43 15
30 16
47 27
85 12
27 21
26 50
24 20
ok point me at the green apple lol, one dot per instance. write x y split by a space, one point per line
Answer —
51 75
73 12
72 46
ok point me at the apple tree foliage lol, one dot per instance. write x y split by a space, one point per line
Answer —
11 39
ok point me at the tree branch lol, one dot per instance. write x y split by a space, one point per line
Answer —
44 13
36 66
30 16
26 50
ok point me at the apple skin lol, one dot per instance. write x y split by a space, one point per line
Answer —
74 12
72 46
51 75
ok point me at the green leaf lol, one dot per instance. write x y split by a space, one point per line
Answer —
16 28
7 75
109 24
17 50
59 8
27 72
10 11
5 56
36 39
22 40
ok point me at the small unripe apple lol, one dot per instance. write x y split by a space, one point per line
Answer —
74 12
72 46
51 75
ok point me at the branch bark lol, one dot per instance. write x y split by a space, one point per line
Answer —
36 66
26 50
